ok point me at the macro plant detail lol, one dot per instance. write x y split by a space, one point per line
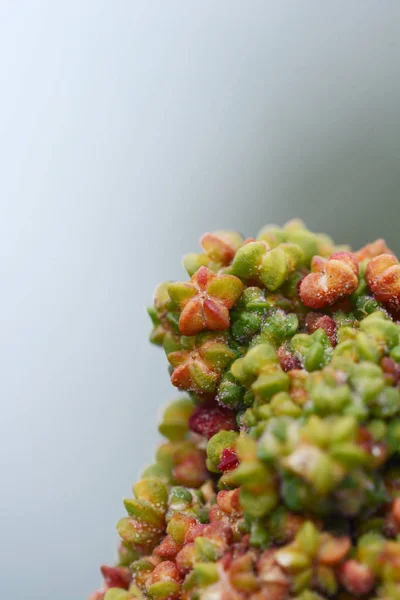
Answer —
383 278
280 475
205 301
331 280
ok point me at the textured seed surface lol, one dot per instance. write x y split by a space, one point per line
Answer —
279 476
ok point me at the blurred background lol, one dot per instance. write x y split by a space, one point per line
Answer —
128 128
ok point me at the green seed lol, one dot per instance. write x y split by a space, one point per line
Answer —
247 260
142 510
269 384
163 590
205 573
206 550
174 425
395 353
230 392
258 506
314 357
153 490
308 539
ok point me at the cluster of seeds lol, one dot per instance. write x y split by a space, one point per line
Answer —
280 476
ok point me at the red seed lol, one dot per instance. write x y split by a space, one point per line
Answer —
226 560
347 257
333 550
215 514
166 570
194 532
209 419
185 559
337 280
220 531
229 460
357 578
229 500
388 364
119 577
218 247
191 470
316 321
390 367
383 278
168 549
287 359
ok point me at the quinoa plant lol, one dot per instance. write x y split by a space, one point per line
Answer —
280 475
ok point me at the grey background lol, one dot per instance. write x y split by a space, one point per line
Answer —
128 129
